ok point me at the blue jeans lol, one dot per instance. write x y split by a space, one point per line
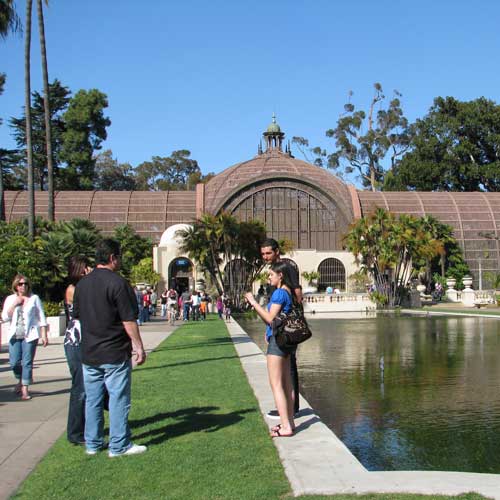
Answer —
76 412
21 355
116 378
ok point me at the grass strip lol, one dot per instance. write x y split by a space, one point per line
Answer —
469 311
193 407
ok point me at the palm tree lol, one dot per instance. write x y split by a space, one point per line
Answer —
9 20
217 241
46 107
27 103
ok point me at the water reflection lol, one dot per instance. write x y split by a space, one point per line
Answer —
434 406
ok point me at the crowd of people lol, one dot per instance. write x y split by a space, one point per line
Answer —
102 341
183 305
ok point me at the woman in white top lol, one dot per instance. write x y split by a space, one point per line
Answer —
24 311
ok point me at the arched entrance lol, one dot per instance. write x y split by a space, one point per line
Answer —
331 273
180 274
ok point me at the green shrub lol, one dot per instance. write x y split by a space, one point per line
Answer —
52 308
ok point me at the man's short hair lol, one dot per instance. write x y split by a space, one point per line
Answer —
104 249
270 242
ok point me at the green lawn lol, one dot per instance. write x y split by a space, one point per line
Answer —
193 407
494 311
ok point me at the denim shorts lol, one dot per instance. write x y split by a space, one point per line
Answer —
275 350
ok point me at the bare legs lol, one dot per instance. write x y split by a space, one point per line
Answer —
278 369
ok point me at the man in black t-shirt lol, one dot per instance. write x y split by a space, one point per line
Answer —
107 308
270 253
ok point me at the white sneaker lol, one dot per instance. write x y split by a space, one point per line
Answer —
135 449
91 452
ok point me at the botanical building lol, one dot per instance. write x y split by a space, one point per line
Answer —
298 201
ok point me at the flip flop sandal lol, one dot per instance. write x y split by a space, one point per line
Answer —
276 434
276 428
26 398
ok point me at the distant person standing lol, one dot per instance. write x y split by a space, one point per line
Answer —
227 309
154 299
107 308
195 306
172 305
138 296
163 302
186 304
270 253
78 267
219 304
146 303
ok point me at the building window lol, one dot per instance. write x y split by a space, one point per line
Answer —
331 273
291 214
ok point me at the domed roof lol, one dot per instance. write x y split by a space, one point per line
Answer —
273 128
274 165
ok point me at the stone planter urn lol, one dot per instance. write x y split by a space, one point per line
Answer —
421 288
56 326
450 283
467 281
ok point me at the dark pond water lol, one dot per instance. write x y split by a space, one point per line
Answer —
435 406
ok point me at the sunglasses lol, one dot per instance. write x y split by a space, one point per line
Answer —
21 283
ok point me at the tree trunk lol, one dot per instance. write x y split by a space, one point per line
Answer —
46 107
27 103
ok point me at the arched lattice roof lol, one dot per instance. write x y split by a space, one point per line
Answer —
475 218
148 212
275 165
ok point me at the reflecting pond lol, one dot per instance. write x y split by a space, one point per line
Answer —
406 393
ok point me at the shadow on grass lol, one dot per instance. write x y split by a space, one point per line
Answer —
208 343
188 420
185 363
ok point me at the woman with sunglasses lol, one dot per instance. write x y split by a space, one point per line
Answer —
24 311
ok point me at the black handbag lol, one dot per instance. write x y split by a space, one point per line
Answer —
291 329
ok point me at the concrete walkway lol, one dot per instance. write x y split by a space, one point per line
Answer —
29 428
317 462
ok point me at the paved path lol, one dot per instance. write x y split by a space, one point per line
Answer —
29 428
317 462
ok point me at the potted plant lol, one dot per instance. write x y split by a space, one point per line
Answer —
467 281
55 319
312 281
451 282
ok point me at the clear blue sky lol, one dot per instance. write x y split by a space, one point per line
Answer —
207 76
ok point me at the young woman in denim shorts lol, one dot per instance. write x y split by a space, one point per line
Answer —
278 358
